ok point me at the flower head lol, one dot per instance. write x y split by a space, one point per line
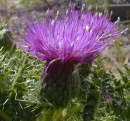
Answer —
74 36
63 41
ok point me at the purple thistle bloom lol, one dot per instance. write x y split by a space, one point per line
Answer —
74 36
63 41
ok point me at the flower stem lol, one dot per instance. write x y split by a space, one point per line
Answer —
4 116
59 116
24 60
73 110
20 70
48 115
98 99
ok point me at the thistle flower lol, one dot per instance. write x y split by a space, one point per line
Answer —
63 41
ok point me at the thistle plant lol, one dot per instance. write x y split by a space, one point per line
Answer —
5 43
68 43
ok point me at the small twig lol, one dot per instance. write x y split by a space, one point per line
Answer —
125 22
98 100
49 4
